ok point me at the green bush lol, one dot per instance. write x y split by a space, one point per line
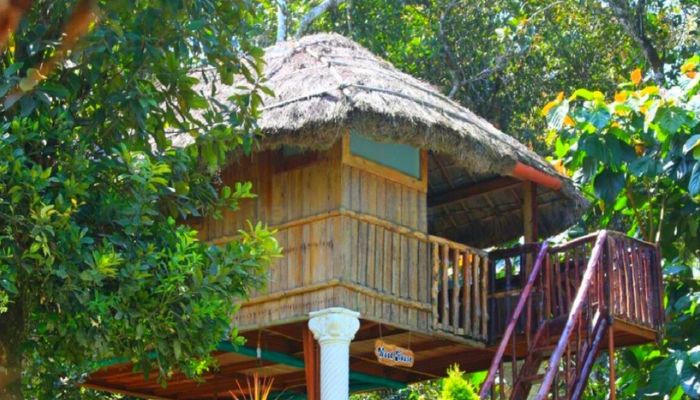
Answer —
457 387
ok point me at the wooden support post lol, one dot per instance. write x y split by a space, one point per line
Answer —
311 362
611 357
530 211
529 224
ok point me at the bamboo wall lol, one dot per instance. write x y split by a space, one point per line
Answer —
365 192
351 238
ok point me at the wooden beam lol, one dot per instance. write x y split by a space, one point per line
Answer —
529 225
311 362
472 190
530 211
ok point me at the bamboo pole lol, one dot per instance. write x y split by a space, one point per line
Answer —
611 358
588 277
496 363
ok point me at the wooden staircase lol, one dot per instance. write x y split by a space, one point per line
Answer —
574 296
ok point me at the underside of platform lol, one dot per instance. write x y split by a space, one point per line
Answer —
281 357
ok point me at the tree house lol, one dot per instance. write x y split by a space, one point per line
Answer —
384 193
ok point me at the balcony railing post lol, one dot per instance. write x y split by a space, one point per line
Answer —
659 290
606 269
435 289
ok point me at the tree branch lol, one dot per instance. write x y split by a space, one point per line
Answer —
452 64
84 13
633 23
281 20
499 63
315 13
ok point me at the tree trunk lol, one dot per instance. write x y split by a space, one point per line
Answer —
11 335
315 13
633 23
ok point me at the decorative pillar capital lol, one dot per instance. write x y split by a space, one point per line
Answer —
334 325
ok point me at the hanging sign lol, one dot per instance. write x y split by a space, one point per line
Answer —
389 354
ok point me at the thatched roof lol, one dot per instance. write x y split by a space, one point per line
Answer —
326 84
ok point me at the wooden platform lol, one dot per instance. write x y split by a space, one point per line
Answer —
282 357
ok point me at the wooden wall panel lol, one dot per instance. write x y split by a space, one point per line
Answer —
285 193
390 262
366 192
332 254
288 309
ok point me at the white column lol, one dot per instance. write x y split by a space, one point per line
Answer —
334 328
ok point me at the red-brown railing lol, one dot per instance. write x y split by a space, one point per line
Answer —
508 273
622 280
509 335
586 311
580 286
635 276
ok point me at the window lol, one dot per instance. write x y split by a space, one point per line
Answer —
398 162
401 157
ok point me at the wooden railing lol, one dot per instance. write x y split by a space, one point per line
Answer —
622 280
583 326
573 292
459 292
509 339
507 276
634 273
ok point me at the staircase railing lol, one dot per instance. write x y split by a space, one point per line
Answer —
509 336
508 273
572 295
635 276
590 295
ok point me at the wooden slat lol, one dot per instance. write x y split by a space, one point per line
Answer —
435 280
484 295
635 284
455 290
626 278
641 272
476 261
445 286
466 294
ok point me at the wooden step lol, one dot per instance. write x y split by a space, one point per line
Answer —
533 378
544 349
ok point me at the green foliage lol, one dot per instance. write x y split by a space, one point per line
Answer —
457 387
93 194
636 158
507 56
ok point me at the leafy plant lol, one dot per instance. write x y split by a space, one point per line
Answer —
96 257
457 387
637 157
257 388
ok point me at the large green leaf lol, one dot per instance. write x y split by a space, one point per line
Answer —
692 143
644 165
664 377
694 183
670 119
694 356
608 184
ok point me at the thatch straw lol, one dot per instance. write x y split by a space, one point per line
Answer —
326 84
